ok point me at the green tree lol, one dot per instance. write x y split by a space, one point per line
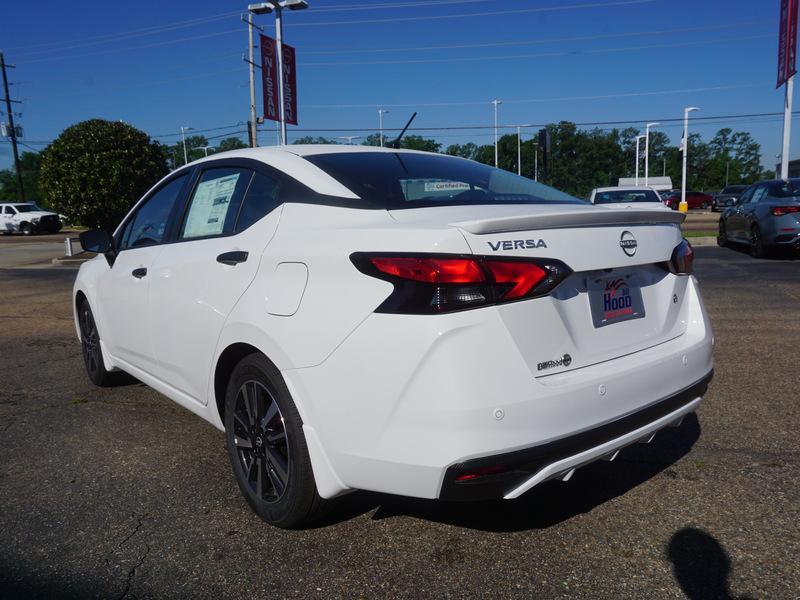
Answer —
468 150
410 142
96 170
314 140
30 164
194 149
231 143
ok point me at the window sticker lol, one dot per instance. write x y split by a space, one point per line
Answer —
210 205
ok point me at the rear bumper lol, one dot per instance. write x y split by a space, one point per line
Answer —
403 401
523 469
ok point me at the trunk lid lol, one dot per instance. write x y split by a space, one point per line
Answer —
616 255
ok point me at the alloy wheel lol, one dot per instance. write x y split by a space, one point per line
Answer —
261 440
90 341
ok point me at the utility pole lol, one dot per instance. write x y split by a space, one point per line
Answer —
13 130
536 163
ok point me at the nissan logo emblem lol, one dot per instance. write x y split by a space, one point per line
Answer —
628 243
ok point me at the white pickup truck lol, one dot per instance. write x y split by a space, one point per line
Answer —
27 218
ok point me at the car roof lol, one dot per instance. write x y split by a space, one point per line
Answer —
625 188
291 160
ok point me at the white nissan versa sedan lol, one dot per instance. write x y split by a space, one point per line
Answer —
396 321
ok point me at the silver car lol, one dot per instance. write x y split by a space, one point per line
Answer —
766 217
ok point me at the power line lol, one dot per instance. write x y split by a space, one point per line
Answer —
537 100
360 7
537 55
479 14
539 40
114 37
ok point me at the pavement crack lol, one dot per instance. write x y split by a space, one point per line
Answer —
132 571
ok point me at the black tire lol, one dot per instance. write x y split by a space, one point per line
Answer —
90 346
26 229
757 249
722 236
266 446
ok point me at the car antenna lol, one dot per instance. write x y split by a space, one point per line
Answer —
396 143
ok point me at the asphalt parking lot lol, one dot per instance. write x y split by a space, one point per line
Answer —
119 492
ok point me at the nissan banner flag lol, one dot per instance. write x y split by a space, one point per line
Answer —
269 77
787 41
289 85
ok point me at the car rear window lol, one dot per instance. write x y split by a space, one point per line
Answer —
785 189
626 196
394 180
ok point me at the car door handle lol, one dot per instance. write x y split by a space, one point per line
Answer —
139 273
232 258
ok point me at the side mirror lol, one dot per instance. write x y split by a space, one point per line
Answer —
99 241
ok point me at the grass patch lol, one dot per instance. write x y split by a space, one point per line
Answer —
691 234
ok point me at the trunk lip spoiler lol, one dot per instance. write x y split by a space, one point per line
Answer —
567 220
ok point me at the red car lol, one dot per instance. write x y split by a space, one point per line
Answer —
693 199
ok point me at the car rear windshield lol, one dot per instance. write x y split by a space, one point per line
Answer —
785 189
393 180
626 196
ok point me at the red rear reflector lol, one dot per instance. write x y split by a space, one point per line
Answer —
493 470
431 270
523 275
779 211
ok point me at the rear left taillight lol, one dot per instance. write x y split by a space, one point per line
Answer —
779 211
682 261
439 283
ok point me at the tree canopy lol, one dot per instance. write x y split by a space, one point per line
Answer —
96 170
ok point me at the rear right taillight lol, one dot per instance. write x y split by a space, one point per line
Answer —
439 283
682 261
779 211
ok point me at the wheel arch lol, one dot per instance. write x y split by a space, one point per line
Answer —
223 369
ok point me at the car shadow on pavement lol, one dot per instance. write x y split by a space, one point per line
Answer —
547 504
700 565
778 255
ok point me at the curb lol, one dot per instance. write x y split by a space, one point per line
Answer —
708 240
72 260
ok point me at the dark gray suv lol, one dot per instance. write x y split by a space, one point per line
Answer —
766 216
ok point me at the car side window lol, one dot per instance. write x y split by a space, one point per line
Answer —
10 211
745 197
215 202
149 224
261 199
759 193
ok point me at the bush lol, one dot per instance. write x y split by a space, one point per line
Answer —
96 170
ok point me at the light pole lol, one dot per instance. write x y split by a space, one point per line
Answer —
278 6
205 149
183 137
536 162
683 207
638 139
647 151
496 103
350 138
381 112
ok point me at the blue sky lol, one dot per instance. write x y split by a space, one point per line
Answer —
548 60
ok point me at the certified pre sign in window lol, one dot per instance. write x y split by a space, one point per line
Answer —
214 203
